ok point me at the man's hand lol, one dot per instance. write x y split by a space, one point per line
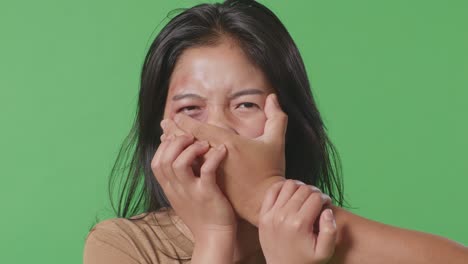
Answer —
251 165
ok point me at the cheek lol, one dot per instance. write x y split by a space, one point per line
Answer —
252 127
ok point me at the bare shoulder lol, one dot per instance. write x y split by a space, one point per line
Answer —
145 238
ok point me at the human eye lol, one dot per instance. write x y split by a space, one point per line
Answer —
190 110
247 105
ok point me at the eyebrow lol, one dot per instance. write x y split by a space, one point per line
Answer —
233 96
246 92
187 95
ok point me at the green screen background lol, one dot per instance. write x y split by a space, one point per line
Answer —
390 78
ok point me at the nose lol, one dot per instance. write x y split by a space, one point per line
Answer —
221 119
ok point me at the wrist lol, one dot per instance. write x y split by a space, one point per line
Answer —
216 236
251 210
214 247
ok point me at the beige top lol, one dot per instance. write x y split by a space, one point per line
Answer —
158 237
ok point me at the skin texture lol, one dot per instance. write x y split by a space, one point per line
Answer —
359 240
287 212
219 86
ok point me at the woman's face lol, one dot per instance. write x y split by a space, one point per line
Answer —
218 85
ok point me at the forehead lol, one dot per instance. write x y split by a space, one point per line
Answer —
222 68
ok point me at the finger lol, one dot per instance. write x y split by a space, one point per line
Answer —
270 197
211 164
201 131
312 207
175 147
297 199
182 166
156 165
287 190
326 239
327 201
277 121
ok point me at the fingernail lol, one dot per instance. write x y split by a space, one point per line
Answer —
299 182
315 189
328 214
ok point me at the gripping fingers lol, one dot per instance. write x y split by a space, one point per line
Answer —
270 197
156 163
211 164
312 207
288 189
175 145
183 164
298 198
326 239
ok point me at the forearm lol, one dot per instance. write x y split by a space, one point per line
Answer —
365 241
249 209
216 249
362 241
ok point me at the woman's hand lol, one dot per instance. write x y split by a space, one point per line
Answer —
286 225
252 165
196 199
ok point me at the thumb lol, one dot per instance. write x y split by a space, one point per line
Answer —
277 121
202 131
326 239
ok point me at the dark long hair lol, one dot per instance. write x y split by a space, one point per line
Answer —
310 155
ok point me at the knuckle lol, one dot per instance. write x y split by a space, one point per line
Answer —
289 183
177 140
305 189
296 224
316 197
279 219
180 140
275 187
315 201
